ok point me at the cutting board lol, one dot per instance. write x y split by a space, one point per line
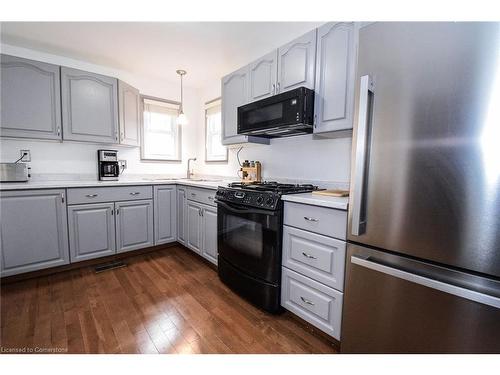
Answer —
332 193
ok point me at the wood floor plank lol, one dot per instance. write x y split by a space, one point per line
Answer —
168 301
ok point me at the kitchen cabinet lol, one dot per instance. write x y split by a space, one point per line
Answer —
129 115
194 235
335 77
296 63
165 214
33 230
134 225
31 99
181 215
209 229
89 106
91 231
235 93
262 76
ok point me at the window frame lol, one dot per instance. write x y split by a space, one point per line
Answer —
178 158
208 105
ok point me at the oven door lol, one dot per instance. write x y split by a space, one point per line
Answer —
250 240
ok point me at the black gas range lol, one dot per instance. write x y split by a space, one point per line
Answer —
249 239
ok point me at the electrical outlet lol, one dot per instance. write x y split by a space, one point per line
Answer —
122 164
25 155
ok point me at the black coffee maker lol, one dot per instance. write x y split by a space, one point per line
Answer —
108 168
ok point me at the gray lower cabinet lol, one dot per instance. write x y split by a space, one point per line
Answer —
181 215
165 214
89 106
296 63
91 231
335 76
30 99
209 225
129 115
235 93
194 234
134 225
33 230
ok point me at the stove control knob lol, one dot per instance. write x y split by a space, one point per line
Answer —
269 201
260 199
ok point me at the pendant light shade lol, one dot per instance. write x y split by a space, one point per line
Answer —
181 118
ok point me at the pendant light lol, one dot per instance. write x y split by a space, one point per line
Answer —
181 119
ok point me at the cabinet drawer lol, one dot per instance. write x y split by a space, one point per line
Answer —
205 196
312 301
319 257
108 194
322 220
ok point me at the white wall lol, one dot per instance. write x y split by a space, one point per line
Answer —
72 157
296 158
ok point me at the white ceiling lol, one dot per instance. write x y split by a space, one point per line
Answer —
207 50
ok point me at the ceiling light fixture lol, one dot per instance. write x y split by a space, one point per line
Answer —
181 119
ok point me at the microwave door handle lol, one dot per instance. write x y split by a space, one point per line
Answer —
246 210
358 223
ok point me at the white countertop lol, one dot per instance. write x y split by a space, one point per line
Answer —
52 184
339 203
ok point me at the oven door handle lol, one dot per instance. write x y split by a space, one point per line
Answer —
246 211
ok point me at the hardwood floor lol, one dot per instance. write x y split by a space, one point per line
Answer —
168 301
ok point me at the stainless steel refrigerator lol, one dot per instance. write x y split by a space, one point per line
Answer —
423 259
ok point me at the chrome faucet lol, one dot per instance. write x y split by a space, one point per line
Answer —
189 173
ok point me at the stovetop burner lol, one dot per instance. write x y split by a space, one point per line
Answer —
273 186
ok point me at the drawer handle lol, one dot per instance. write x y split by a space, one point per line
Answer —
135 193
211 198
193 194
91 195
308 256
307 301
310 219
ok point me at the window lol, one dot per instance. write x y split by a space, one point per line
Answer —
161 135
214 150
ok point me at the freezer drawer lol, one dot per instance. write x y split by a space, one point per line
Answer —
397 305
312 301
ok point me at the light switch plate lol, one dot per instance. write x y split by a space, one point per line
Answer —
26 155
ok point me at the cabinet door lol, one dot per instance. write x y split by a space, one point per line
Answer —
335 74
33 230
89 106
296 63
129 102
91 231
181 215
31 99
134 225
209 215
262 76
165 214
194 227
234 94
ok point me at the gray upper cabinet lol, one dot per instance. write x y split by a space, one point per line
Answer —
181 215
165 214
296 63
194 229
30 99
262 76
89 106
235 93
134 225
33 230
209 223
335 75
91 231
129 102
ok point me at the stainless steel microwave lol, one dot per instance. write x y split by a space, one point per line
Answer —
283 115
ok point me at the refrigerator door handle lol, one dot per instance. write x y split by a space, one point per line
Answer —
469 294
362 136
